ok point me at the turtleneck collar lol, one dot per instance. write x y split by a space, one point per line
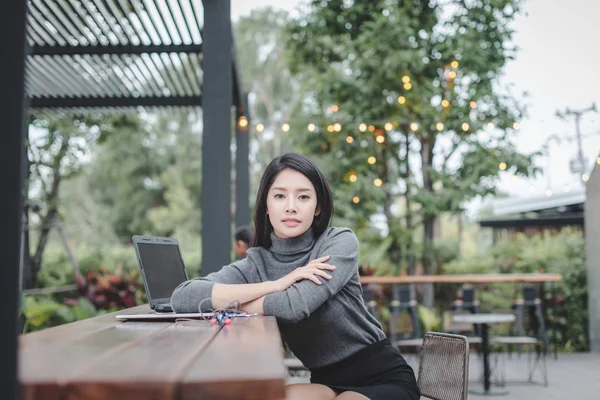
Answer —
292 245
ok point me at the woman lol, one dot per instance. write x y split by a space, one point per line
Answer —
306 275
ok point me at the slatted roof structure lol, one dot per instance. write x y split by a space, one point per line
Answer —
115 55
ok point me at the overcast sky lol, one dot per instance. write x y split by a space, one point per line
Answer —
558 66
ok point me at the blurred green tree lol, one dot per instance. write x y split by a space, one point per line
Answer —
409 106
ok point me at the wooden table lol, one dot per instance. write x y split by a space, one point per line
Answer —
463 278
101 358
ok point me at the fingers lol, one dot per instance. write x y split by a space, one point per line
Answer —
324 266
314 276
318 260
323 274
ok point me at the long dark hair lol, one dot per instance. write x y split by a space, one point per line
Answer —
302 164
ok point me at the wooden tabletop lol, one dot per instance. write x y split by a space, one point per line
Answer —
466 278
101 358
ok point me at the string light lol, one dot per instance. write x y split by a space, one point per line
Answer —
243 122
407 86
356 199
454 64
414 126
502 166
311 127
352 178
349 139
334 108
401 99
371 128
490 125
329 128
598 160
465 126
285 127
380 139
406 79
371 160
452 74
439 126
388 126
362 127
585 177
377 182
260 127
337 127
445 103
473 104
516 126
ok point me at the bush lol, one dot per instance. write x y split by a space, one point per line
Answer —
41 313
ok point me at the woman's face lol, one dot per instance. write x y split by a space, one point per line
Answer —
291 204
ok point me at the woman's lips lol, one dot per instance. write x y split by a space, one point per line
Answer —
290 223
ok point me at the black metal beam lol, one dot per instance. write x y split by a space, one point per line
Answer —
242 170
576 219
12 82
240 101
115 49
216 153
94 102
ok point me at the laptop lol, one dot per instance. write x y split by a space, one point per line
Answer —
162 270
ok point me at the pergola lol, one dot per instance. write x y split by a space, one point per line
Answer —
80 56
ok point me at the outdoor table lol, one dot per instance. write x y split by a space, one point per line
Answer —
484 320
102 358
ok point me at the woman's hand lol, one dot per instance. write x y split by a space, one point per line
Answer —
310 271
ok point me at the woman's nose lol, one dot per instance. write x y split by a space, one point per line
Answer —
291 206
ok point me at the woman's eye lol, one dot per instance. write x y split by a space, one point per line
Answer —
304 197
279 196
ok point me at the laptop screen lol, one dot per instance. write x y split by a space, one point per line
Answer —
163 268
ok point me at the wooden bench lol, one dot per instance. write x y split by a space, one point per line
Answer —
101 358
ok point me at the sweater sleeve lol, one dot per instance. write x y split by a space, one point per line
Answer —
301 299
191 294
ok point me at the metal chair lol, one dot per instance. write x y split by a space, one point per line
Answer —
506 340
444 366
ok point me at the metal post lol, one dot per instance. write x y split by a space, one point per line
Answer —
242 169
217 98
12 77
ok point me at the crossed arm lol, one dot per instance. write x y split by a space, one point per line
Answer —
291 298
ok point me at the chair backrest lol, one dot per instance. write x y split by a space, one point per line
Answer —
444 366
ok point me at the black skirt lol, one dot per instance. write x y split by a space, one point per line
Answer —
378 372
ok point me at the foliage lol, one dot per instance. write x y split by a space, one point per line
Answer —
123 176
276 95
57 271
37 314
56 150
113 290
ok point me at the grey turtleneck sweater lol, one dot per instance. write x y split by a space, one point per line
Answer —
322 324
